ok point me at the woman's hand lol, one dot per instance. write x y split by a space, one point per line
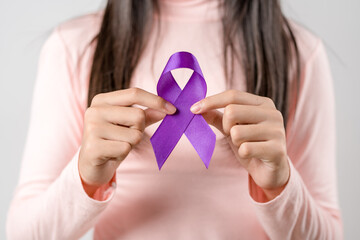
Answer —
256 130
111 128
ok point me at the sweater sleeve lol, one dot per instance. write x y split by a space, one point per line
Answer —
49 201
307 208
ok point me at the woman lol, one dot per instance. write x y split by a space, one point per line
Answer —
88 160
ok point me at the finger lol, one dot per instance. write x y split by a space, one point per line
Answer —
117 133
112 150
130 96
249 133
214 117
223 99
152 116
124 116
266 150
246 114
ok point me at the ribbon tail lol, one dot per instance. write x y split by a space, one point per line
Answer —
168 134
202 138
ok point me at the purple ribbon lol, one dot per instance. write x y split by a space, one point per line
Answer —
183 120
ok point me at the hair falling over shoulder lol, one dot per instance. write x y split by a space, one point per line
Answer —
257 28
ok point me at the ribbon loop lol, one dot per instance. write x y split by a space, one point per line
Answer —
173 126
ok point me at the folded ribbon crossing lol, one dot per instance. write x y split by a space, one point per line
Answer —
173 126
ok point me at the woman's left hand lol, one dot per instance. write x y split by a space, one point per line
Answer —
256 130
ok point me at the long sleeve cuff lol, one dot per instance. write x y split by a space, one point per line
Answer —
278 215
294 214
62 211
103 194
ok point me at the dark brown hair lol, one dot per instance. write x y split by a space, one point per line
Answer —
256 28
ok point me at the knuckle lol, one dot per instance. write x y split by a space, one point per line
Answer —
229 111
269 102
233 95
125 149
89 147
96 112
85 147
88 113
92 113
235 136
137 136
234 132
91 138
95 100
244 151
278 115
139 116
278 132
279 150
160 102
134 91
91 128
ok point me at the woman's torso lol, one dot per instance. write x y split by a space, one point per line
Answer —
184 200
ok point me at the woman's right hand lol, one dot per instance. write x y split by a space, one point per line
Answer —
112 126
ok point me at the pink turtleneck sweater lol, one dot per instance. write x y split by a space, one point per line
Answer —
184 200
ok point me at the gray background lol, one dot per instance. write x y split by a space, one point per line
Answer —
24 25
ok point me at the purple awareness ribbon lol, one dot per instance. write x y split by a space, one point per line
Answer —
183 120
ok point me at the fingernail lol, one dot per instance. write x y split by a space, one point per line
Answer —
196 107
170 108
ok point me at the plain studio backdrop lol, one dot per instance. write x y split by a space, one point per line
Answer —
24 26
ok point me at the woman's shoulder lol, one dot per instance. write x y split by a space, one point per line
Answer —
67 49
77 33
308 42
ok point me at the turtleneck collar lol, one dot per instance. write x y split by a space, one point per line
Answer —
190 10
